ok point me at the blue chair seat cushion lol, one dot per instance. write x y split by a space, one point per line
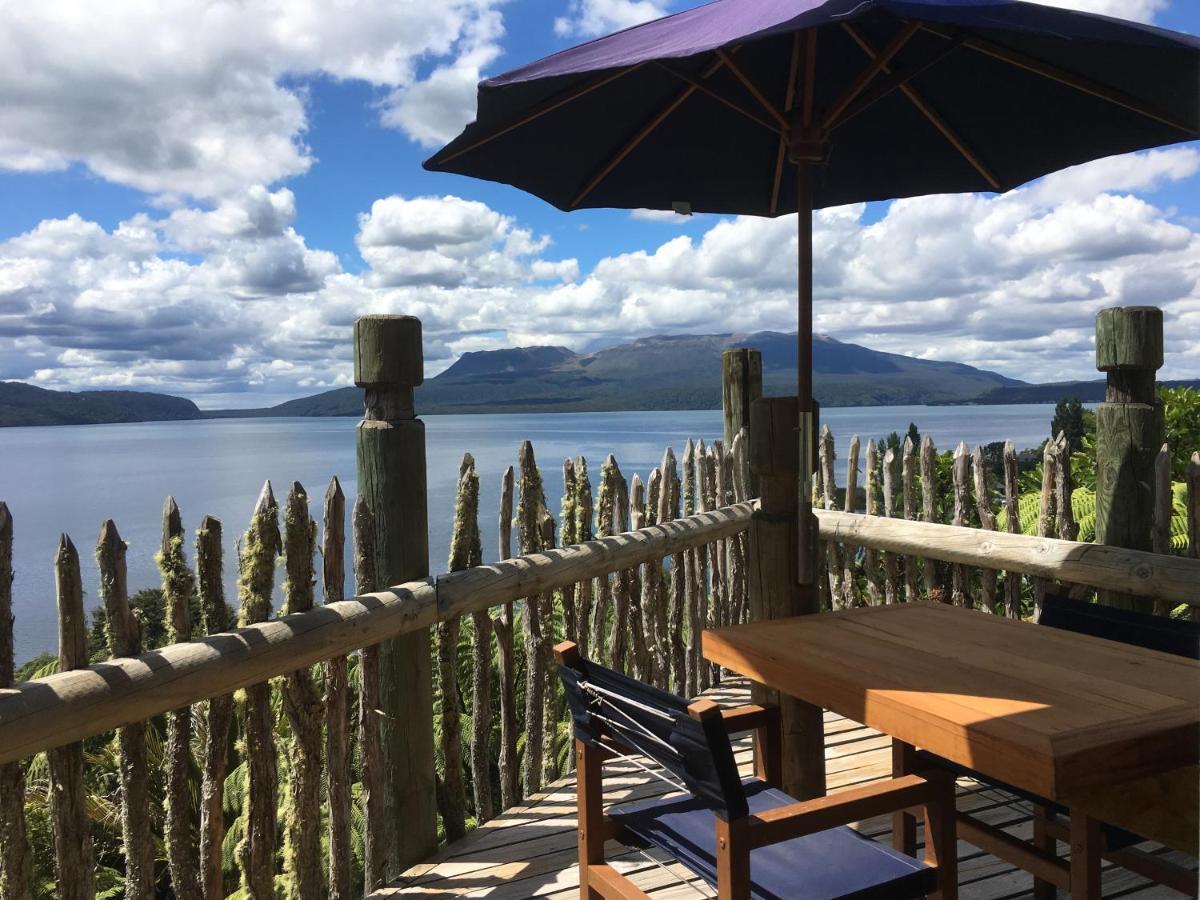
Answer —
838 863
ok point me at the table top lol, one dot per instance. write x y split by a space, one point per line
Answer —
1054 712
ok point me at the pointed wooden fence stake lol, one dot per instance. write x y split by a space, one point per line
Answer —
987 521
74 861
16 867
960 590
178 585
211 590
125 639
255 852
337 699
369 740
507 664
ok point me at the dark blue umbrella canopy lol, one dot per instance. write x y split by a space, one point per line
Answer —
908 97
767 107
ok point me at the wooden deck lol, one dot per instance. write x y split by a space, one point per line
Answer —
529 851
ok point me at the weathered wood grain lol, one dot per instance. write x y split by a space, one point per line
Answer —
255 853
125 639
338 777
987 521
366 581
61 708
960 590
304 711
890 592
16 865
1097 565
1012 493
912 590
211 590
506 661
849 504
74 860
178 587
530 502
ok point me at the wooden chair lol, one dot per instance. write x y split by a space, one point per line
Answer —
746 838
1181 638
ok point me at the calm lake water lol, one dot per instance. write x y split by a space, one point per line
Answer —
70 479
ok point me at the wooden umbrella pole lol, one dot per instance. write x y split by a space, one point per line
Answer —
806 538
806 147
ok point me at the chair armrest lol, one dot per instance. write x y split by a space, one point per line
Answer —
749 716
810 816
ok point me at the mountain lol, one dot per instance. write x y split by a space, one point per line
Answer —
24 404
665 372
1085 391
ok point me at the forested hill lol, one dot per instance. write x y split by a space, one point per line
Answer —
665 372
24 404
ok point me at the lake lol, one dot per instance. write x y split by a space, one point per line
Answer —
71 478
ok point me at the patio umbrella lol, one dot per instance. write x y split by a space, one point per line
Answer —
769 107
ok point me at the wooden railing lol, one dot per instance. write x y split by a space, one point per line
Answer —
950 536
73 705
1171 578
645 568
639 595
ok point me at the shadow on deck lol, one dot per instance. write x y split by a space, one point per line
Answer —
530 851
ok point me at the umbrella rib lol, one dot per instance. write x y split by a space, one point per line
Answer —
541 110
781 153
1062 76
884 88
705 89
868 74
642 134
934 119
753 89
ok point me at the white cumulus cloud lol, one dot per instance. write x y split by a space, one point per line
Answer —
206 99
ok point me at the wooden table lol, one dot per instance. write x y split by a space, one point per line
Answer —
1072 718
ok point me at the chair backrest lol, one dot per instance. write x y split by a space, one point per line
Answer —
1175 636
692 744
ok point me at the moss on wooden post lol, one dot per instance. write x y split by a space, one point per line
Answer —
255 852
125 639
211 592
388 365
179 589
1129 432
775 592
74 860
303 707
506 662
337 700
365 581
741 385
16 861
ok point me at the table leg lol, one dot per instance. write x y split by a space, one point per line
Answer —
1042 889
904 825
1086 847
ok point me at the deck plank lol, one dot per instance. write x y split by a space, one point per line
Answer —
529 851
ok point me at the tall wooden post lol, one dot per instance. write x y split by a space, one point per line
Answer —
1129 432
388 364
774 589
741 385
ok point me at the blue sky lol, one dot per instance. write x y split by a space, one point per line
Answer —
200 203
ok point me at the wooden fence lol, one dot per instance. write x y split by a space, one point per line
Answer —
282 687
878 549
255 756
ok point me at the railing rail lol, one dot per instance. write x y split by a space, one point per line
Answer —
70 706
1174 578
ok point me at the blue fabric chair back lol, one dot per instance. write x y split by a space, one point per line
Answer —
643 719
1175 636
